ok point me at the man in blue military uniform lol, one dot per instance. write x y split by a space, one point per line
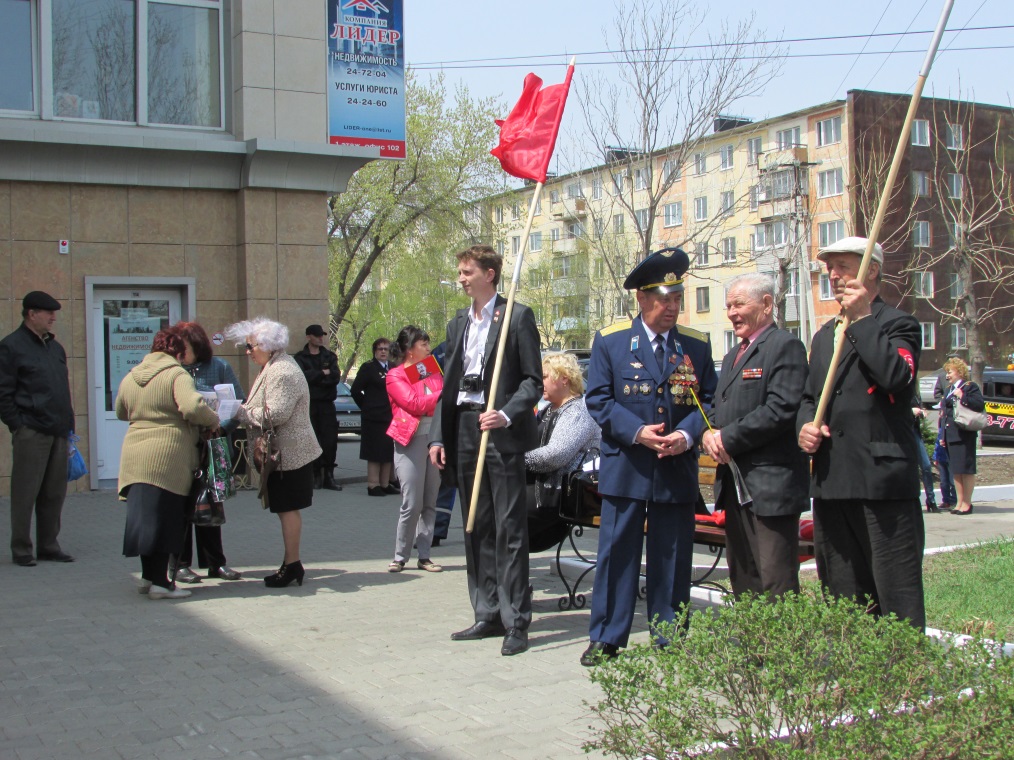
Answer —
643 379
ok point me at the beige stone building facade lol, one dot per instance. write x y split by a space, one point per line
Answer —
180 170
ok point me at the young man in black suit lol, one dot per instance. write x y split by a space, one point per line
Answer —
754 420
867 520
496 552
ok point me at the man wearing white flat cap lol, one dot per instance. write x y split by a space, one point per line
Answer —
868 526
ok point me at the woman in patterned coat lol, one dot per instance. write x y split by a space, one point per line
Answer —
279 399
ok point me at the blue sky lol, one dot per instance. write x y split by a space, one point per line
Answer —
453 30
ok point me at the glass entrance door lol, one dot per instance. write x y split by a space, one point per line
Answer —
124 323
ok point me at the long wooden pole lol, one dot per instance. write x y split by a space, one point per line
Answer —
501 345
882 206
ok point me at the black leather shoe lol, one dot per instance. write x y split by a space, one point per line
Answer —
330 484
376 491
391 489
55 557
932 509
224 572
186 575
515 642
26 560
484 629
598 651
436 541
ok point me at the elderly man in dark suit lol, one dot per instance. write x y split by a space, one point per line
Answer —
496 552
868 527
642 380
754 429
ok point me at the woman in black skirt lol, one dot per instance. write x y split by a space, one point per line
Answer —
960 443
166 414
375 446
280 400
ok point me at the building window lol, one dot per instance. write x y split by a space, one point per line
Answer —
955 234
701 208
954 289
700 163
618 182
17 86
673 214
99 59
824 281
600 228
726 155
599 308
792 286
538 206
922 284
954 136
730 340
781 184
617 224
554 197
641 179
728 201
574 190
959 337
955 186
920 132
562 267
554 234
754 194
535 241
575 230
753 150
773 234
929 335
788 138
670 171
829 131
920 184
501 247
830 183
534 278
600 268
597 188
515 211
728 250
642 219
830 232
921 234
620 306
498 214
515 245
703 299
701 253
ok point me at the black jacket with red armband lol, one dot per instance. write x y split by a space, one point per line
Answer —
872 452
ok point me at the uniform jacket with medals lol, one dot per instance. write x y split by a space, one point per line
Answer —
518 391
755 407
872 452
626 391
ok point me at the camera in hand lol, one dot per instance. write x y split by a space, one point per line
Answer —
471 383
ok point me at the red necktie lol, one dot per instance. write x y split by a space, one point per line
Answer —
742 350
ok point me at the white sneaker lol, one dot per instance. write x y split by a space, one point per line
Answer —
157 592
144 587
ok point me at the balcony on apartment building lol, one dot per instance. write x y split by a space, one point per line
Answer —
570 208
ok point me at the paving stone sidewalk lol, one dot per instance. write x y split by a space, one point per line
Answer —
356 663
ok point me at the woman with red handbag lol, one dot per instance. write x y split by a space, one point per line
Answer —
413 388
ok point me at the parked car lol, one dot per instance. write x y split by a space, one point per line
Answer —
927 383
998 390
346 411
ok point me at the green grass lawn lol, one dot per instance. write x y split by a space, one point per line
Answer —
972 590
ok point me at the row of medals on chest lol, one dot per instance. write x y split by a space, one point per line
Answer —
681 381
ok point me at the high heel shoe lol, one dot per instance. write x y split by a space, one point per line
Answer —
932 509
286 574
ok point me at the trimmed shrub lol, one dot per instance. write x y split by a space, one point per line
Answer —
804 677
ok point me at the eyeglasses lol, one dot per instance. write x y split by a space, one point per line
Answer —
251 346
382 348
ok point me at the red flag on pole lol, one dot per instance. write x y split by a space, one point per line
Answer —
528 135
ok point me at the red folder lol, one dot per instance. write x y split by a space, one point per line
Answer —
423 369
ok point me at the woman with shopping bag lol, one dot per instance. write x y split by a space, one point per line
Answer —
159 456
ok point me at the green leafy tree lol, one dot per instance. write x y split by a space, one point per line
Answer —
410 209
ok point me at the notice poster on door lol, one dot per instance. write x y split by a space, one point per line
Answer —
130 338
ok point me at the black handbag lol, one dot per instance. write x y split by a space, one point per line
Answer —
580 500
203 509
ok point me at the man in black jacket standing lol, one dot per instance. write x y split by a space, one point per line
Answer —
868 526
35 404
320 365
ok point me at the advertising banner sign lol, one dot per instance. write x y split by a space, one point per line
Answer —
366 75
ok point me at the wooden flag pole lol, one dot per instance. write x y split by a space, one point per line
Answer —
501 345
878 220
